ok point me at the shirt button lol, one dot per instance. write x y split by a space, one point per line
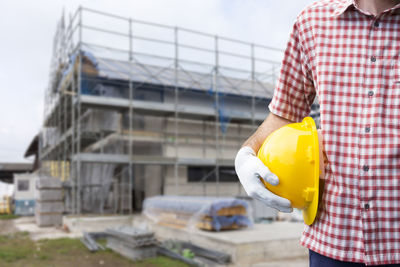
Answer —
376 24
371 93
367 129
373 59
366 206
365 168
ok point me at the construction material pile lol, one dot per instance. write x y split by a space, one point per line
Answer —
89 240
192 254
133 243
49 202
207 213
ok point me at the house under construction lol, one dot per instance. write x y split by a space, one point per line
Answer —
135 109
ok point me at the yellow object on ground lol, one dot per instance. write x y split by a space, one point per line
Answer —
5 205
292 153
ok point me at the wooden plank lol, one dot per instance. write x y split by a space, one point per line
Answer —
209 227
229 211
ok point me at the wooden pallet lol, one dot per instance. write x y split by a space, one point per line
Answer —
204 223
230 211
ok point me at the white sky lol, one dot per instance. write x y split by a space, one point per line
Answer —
27 29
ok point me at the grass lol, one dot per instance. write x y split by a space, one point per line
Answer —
8 216
12 249
19 250
161 262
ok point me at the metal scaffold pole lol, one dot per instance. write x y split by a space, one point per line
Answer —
79 137
176 99
253 80
216 92
65 104
73 164
65 128
56 166
130 119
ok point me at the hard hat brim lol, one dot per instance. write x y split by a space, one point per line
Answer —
310 212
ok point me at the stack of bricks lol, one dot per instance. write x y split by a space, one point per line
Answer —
49 202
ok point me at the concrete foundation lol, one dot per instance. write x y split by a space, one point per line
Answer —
77 224
262 244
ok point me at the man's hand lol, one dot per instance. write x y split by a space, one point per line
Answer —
250 169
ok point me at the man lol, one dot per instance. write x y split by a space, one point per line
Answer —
347 53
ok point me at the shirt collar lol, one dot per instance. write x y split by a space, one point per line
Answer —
342 6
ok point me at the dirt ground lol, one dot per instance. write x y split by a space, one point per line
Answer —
7 227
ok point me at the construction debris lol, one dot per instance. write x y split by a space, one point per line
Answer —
192 254
89 240
175 255
215 256
207 213
49 202
133 243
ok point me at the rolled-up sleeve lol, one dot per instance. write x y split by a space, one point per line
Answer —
294 92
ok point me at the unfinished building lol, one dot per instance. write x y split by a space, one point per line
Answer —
135 109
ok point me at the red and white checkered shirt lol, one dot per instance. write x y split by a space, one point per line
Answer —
350 59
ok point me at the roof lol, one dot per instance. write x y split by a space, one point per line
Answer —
186 78
17 166
190 76
33 147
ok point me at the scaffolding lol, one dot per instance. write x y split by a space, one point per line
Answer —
130 102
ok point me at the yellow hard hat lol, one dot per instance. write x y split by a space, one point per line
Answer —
292 153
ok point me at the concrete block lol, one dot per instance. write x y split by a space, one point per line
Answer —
134 254
48 183
48 219
49 194
49 207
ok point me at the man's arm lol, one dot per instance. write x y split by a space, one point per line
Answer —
270 124
250 168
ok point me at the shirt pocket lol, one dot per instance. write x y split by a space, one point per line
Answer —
395 75
391 99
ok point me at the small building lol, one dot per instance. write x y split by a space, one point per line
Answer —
24 193
8 169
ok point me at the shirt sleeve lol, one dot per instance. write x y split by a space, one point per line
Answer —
294 92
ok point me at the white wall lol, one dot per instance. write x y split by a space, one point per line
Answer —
24 195
204 144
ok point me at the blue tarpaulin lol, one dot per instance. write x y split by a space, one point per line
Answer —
198 208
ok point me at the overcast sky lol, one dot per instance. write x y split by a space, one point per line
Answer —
27 29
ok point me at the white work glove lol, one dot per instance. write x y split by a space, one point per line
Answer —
250 169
